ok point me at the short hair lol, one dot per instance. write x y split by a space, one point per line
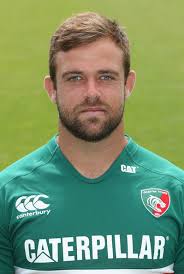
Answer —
83 29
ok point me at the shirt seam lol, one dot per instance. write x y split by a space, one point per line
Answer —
151 170
28 173
130 152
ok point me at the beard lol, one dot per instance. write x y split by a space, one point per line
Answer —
91 129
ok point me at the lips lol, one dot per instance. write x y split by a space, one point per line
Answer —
93 109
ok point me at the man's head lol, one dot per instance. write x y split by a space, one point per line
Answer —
90 75
84 29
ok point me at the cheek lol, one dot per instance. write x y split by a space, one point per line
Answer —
118 104
115 98
67 99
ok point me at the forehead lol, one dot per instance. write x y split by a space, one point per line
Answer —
102 54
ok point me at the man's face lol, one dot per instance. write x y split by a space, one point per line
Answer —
90 89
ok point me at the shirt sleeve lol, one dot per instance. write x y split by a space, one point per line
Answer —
179 258
6 252
179 261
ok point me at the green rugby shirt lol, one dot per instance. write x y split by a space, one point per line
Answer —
129 220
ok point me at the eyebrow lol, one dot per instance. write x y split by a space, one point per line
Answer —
108 71
71 72
105 71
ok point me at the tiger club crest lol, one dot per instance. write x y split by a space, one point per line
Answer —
156 201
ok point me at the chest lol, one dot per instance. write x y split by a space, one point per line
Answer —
94 226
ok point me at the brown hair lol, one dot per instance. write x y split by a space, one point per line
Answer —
85 28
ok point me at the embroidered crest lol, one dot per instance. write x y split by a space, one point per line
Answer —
156 201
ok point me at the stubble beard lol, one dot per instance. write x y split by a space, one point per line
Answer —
82 128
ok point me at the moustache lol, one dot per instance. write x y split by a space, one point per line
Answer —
91 102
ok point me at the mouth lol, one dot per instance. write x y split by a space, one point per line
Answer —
93 109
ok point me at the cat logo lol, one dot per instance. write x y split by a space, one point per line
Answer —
128 169
156 201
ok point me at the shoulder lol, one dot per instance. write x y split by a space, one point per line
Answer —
152 163
27 165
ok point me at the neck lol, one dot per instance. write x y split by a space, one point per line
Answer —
92 159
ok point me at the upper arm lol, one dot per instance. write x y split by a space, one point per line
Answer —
6 253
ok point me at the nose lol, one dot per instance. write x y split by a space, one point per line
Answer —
92 88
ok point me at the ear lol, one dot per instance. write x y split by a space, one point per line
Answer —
49 87
130 83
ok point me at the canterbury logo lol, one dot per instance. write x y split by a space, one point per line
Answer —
32 202
154 202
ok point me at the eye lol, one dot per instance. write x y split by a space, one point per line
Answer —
106 77
74 78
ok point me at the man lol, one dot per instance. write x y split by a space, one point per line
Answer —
91 200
